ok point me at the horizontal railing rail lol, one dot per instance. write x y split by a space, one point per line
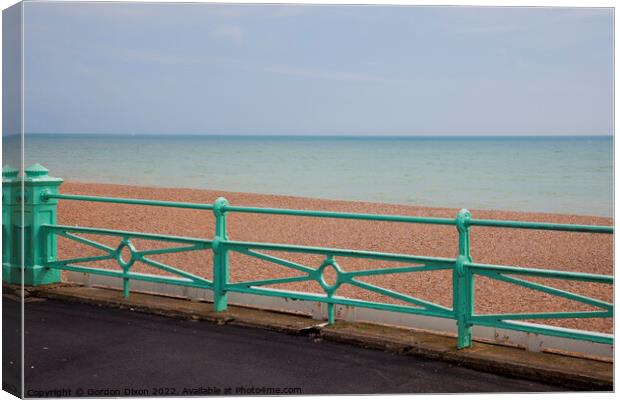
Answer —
119 200
464 270
257 210
544 226
342 215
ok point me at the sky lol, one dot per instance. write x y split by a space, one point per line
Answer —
317 70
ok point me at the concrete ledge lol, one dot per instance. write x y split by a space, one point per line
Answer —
179 308
570 372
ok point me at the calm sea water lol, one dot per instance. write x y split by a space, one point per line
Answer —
547 174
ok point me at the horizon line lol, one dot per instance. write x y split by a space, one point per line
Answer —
313 135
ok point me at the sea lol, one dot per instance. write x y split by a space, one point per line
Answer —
568 175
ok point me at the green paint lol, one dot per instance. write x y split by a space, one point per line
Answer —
549 289
372 255
549 330
463 283
139 202
342 215
543 273
135 254
40 231
139 235
220 256
545 226
11 221
29 211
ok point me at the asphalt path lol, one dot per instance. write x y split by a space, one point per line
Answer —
82 350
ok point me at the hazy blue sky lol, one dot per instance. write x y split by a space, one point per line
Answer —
242 69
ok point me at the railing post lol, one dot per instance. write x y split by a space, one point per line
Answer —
463 283
220 256
11 220
38 247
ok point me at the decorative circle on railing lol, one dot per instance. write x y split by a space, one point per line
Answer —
125 264
329 284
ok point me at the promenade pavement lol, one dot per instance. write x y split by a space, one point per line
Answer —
83 350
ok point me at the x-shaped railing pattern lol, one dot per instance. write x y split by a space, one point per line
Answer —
341 276
134 255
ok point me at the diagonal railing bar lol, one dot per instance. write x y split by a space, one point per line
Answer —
173 270
549 330
346 275
397 270
275 260
397 295
135 235
56 263
323 298
196 246
88 242
274 281
542 273
236 246
548 289
545 315
136 276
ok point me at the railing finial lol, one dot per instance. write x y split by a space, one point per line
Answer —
219 206
462 219
36 170
9 172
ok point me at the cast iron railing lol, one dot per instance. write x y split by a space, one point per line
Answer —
463 268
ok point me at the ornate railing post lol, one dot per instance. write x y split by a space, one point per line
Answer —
463 283
11 220
220 256
38 248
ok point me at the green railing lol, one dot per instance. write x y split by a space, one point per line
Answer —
464 270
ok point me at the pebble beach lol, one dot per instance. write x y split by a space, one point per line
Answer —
580 252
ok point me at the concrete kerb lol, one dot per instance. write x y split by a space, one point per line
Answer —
562 370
